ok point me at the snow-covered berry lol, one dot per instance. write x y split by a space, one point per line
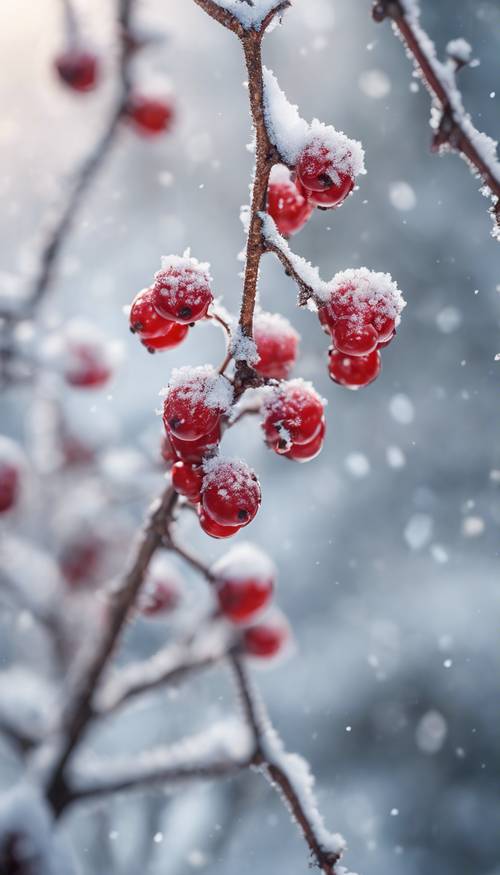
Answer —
187 479
353 372
230 492
293 414
144 319
161 593
307 452
11 473
287 201
80 559
326 173
167 451
268 638
150 115
361 310
173 336
78 68
195 451
276 341
213 528
196 398
181 289
244 579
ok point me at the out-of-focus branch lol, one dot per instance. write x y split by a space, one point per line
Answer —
79 710
454 129
270 758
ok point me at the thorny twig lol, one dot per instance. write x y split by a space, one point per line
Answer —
454 128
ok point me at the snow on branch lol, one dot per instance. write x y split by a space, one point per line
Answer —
307 277
452 125
224 749
242 16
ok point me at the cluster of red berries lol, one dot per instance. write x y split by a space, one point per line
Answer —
180 296
244 580
294 421
323 177
78 67
360 313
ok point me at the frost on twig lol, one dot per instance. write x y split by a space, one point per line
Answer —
452 125
223 749
307 277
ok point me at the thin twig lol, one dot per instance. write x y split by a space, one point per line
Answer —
455 130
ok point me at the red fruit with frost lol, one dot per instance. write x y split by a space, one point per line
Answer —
195 400
231 492
86 368
266 639
326 184
78 69
354 337
309 451
276 343
161 597
80 560
181 290
287 202
244 579
167 451
150 115
144 319
187 479
353 372
293 414
173 336
195 451
213 528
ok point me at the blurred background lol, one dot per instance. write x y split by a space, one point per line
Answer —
387 544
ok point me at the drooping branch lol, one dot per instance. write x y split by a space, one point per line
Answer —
453 127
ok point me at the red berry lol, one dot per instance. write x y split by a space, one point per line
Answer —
144 319
86 370
167 451
161 597
266 639
196 451
287 201
245 579
212 528
11 466
353 371
181 289
195 400
187 479
293 414
87 357
80 560
326 175
230 492
353 337
309 451
78 69
276 343
150 115
173 336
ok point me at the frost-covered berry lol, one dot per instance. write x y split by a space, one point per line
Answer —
307 452
173 336
244 579
82 353
293 414
230 492
267 638
276 341
150 115
80 559
162 591
11 472
144 319
353 372
167 451
326 171
181 289
78 68
195 400
187 479
287 202
361 310
213 528
195 451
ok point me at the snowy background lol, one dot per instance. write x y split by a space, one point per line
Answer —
387 544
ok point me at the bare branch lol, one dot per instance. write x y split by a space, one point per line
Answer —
454 129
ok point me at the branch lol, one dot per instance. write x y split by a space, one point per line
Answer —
301 271
454 129
79 710
289 774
